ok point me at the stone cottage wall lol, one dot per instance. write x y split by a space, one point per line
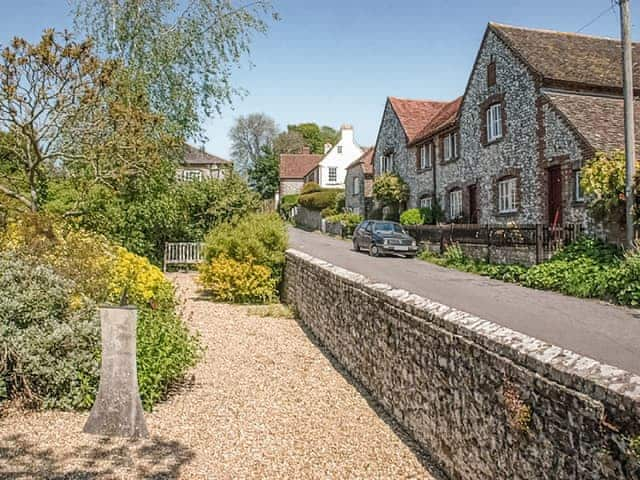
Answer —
485 401
355 201
516 153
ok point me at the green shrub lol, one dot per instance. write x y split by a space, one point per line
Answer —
257 238
229 280
319 200
623 283
310 187
48 338
413 216
328 212
512 273
339 202
454 255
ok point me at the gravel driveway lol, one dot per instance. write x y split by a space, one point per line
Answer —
265 403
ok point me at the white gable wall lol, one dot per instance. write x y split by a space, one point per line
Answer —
345 152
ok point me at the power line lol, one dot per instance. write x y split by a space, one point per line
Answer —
599 16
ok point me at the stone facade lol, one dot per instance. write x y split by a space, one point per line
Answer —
485 401
290 186
306 218
355 202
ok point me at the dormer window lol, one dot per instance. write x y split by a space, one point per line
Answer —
494 122
491 73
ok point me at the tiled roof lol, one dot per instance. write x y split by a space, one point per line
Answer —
600 120
569 58
366 159
297 165
414 114
197 156
446 116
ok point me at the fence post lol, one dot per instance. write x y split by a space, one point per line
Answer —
488 243
539 243
164 259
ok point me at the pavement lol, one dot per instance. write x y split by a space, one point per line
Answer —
596 329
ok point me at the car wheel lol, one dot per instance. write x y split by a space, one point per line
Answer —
356 247
374 250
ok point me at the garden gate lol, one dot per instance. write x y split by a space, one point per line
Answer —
182 253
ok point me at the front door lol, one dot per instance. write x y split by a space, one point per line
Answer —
555 196
473 204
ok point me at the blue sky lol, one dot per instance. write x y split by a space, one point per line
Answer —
336 61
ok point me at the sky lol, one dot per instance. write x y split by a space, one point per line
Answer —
335 61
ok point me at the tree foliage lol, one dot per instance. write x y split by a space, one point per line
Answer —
184 52
264 176
50 94
249 135
390 189
314 136
288 142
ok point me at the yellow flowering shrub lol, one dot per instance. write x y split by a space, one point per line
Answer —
238 282
145 284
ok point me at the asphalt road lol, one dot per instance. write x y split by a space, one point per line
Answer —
595 329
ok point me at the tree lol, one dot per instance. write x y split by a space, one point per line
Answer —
49 95
288 142
184 51
249 134
314 136
264 177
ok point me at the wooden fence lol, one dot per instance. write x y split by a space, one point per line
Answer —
545 238
182 253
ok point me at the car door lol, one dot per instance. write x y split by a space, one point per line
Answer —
367 235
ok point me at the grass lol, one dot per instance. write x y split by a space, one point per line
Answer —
272 310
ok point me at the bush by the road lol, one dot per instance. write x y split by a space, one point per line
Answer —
421 216
310 187
349 221
319 200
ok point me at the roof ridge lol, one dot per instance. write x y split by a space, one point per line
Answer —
557 32
403 99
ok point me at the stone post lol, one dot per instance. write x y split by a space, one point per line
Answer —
117 411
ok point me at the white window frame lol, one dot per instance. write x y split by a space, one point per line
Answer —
332 172
339 149
191 175
455 204
356 185
426 156
386 163
494 122
507 190
426 202
577 189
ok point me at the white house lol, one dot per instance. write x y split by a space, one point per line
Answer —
332 169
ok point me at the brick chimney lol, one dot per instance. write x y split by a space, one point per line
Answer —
306 150
346 133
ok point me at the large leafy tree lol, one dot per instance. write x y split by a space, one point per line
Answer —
288 142
185 51
249 135
50 97
264 175
314 136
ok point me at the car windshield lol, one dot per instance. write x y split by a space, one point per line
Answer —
388 227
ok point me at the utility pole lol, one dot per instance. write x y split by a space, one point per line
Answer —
629 130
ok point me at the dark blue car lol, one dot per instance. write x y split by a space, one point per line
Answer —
382 237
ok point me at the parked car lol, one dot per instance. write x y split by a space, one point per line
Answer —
381 237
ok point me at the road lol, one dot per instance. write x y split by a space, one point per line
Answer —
592 328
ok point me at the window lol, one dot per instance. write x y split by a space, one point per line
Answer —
191 175
356 185
578 193
455 204
333 174
491 73
386 163
339 148
450 146
426 202
494 122
507 195
426 156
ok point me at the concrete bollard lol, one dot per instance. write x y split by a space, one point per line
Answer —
117 411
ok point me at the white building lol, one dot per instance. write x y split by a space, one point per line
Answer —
332 169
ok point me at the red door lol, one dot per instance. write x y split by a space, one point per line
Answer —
473 204
555 196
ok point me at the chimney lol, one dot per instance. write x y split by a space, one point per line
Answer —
306 149
327 147
346 133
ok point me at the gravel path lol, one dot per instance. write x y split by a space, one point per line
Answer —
265 403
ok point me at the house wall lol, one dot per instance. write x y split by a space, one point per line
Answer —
355 202
290 186
207 171
485 401
351 151
514 154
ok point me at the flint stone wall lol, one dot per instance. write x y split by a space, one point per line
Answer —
311 219
462 386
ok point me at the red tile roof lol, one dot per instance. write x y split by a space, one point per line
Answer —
414 114
366 159
297 165
446 116
569 58
599 120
